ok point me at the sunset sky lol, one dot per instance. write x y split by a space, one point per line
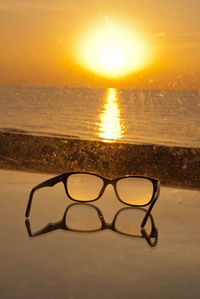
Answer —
53 43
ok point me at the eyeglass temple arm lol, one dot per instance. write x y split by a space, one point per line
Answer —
151 238
154 231
48 183
153 235
48 228
151 206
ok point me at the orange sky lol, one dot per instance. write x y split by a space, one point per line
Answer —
39 38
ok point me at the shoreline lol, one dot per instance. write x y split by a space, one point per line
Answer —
174 166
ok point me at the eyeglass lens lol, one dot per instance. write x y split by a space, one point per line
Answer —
135 191
83 186
131 190
128 222
88 221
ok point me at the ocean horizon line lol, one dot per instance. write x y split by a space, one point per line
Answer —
100 88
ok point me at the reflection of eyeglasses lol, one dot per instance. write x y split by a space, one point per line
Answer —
86 187
89 218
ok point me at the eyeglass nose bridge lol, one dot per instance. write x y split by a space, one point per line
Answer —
109 182
108 225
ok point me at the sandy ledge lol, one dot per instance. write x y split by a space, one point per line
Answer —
175 166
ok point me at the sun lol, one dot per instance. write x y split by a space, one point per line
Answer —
112 50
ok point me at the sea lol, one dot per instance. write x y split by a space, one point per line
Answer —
161 117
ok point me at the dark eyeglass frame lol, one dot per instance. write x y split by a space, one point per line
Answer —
64 177
151 238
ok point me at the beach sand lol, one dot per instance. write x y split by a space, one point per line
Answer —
105 264
174 166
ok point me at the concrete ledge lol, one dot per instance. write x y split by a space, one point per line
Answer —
175 166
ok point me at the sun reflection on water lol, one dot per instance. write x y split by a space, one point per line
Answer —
110 128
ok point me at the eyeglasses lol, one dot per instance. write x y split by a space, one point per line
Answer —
88 218
132 190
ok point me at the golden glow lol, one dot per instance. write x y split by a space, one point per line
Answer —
113 50
110 126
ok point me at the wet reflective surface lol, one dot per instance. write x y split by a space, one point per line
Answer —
88 218
103 264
